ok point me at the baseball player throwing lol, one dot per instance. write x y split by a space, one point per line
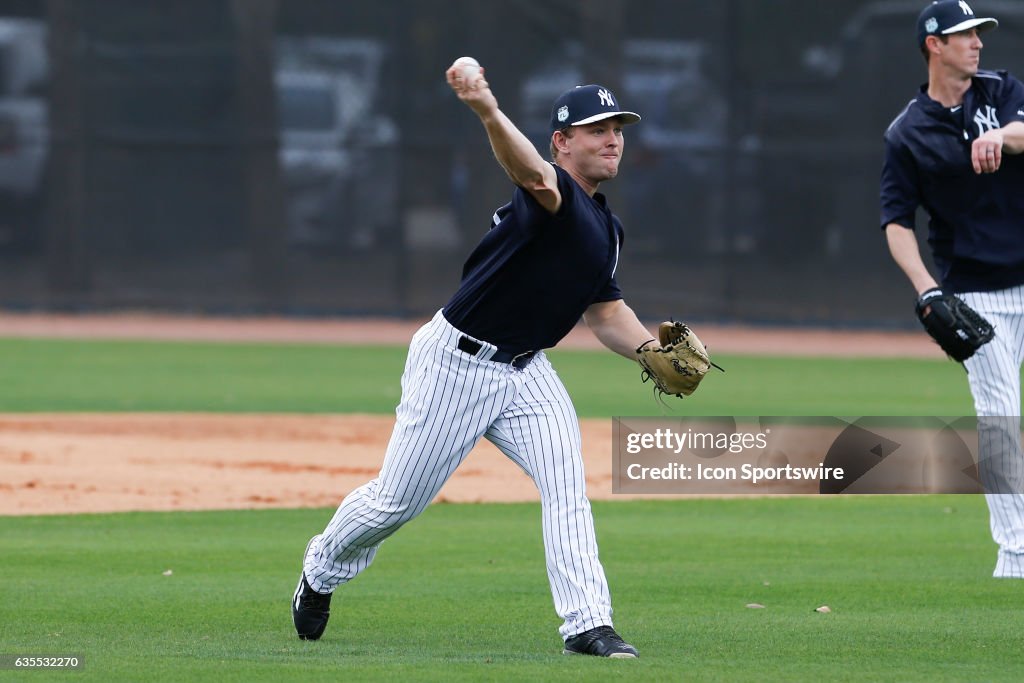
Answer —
955 151
478 368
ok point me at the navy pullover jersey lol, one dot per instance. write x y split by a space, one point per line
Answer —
534 273
976 228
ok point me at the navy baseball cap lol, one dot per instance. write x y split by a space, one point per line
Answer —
586 104
949 16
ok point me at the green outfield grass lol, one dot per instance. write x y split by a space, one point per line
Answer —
461 594
63 375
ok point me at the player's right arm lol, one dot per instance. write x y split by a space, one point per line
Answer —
988 149
513 150
899 198
907 254
521 161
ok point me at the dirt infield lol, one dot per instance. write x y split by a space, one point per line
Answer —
104 463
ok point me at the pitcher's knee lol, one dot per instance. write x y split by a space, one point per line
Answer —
384 511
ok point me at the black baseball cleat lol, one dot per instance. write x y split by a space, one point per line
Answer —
310 610
602 641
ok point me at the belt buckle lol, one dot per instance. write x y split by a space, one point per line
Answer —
467 345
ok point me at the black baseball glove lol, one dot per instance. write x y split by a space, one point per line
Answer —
955 326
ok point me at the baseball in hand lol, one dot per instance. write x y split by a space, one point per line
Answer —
469 69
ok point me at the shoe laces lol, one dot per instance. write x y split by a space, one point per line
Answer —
606 632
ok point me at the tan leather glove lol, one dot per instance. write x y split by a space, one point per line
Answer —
679 364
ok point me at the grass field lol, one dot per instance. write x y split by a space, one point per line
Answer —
462 594
62 375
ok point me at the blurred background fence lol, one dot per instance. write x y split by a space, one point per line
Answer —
306 156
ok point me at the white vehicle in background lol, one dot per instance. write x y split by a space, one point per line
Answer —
314 162
338 150
24 131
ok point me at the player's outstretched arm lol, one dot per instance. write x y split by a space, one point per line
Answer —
905 251
513 150
616 326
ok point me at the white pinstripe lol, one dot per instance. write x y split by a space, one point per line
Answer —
449 400
994 377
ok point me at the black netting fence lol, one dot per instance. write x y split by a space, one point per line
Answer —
307 157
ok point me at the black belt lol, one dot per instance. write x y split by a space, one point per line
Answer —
516 360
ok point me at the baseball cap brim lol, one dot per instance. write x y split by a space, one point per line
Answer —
988 22
627 117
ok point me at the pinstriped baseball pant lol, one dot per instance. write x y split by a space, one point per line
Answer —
994 376
449 400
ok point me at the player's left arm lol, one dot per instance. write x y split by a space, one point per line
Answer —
616 326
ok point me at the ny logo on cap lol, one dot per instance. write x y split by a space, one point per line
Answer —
966 8
606 98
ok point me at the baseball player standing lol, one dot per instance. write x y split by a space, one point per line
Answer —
955 151
478 369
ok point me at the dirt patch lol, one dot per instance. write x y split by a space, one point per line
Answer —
67 463
59 463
